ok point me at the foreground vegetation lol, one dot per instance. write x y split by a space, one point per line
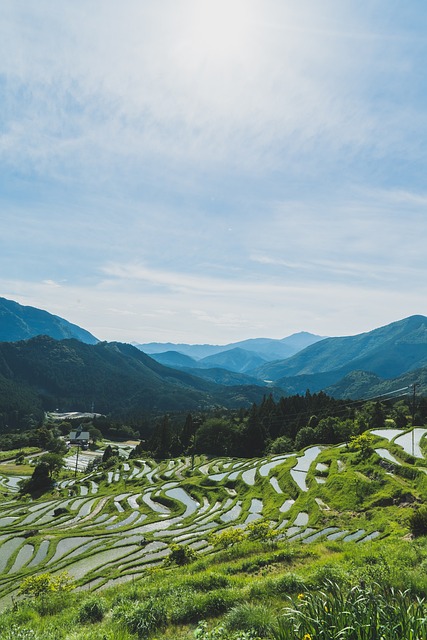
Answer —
251 589
324 542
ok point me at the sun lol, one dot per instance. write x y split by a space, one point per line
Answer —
220 29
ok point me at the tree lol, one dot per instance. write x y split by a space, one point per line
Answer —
255 434
108 453
305 437
371 416
364 444
40 481
400 414
44 437
54 461
282 444
188 430
95 434
164 439
216 437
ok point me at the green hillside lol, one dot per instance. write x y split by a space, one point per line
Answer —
115 378
388 352
159 547
19 322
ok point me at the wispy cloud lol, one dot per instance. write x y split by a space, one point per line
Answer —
208 165
146 82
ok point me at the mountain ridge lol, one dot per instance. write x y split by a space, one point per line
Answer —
115 377
270 348
401 344
21 322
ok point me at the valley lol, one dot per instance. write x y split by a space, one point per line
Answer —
217 489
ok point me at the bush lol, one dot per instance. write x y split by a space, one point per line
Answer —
141 618
261 530
226 538
44 583
208 582
93 610
418 521
327 574
256 618
181 554
288 583
189 606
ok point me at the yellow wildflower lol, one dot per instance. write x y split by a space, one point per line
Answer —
307 636
301 597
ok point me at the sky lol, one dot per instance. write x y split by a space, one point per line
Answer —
207 171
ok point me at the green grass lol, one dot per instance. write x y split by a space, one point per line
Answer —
247 579
276 595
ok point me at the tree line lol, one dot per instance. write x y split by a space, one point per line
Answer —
271 427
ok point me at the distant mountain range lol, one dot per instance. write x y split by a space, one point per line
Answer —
74 373
18 322
267 349
398 349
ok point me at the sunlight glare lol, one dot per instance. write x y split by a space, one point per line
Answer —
220 29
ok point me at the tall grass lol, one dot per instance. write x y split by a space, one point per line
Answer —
360 613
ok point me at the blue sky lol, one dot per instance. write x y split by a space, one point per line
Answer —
214 170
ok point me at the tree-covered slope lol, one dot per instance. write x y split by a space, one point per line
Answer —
238 360
388 352
18 322
111 377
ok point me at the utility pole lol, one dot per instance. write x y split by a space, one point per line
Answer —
77 461
413 417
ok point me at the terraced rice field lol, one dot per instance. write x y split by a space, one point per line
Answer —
109 527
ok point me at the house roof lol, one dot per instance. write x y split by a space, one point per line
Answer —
79 435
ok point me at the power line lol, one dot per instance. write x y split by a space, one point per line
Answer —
383 395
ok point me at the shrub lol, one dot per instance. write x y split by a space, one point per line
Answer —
257 618
260 530
226 538
208 581
188 606
92 610
181 554
418 521
39 585
288 583
141 618
329 573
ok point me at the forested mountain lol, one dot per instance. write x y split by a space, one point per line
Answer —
388 352
237 360
267 348
113 378
175 359
18 322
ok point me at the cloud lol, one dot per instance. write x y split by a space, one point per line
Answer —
266 85
144 314
244 167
